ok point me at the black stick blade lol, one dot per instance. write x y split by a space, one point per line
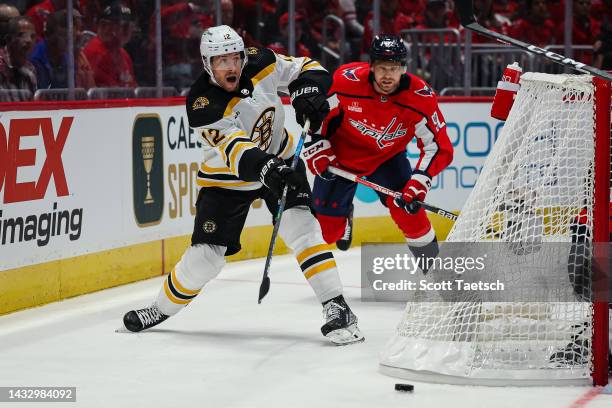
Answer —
264 288
465 9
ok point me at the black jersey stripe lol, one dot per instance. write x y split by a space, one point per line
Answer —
315 260
217 176
411 108
228 148
355 96
176 293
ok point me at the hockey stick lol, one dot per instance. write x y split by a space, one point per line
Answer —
265 281
389 192
466 15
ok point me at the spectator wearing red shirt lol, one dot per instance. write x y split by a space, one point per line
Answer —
392 21
489 19
536 27
601 10
412 8
92 9
281 46
506 8
16 72
41 11
585 28
556 10
245 15
111 63
314 11
228 17
603 48
436 15
182 26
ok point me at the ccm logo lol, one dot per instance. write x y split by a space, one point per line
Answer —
556 57
312 150
12 157
304 91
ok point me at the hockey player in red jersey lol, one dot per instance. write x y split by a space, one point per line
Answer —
376 109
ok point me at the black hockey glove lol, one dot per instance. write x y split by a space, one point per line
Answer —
309 102
412 207
274 174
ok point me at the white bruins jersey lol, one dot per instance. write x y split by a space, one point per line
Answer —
240 129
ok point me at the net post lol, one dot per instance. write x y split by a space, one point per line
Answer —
601 233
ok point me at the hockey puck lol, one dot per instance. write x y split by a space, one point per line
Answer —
404 387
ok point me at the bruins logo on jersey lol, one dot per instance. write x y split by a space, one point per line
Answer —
251 51
200 103
262 130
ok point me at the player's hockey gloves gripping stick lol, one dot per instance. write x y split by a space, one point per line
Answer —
309 101
319 155
414 192
275 173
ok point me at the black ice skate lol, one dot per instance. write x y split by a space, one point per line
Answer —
340 322
344 243
138 320
576 352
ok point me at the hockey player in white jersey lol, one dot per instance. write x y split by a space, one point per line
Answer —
234 107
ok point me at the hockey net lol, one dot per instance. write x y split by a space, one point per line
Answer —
538 181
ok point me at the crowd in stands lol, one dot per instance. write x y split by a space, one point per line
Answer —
114 41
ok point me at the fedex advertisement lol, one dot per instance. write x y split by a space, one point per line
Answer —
87 179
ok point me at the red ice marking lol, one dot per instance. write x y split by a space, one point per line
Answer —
585 398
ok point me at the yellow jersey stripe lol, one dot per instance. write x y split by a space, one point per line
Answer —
310 65
301 257
230 183
180 287
230 106
263 73
238 147
208 169
231 137
319 268
289 145
173 298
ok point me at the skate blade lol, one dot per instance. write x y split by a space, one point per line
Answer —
346 336
122 329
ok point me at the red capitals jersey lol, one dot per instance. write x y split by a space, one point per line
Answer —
366 128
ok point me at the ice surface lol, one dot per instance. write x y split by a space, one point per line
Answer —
224 350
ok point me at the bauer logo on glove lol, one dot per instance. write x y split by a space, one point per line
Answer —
309 102
304 91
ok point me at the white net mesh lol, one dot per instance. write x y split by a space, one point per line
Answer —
536 188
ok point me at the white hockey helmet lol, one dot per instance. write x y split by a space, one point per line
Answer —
220 40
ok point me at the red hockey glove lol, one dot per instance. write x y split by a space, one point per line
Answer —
415 190
319 155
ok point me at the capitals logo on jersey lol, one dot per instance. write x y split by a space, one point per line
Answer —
425 91
349 74
383 137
